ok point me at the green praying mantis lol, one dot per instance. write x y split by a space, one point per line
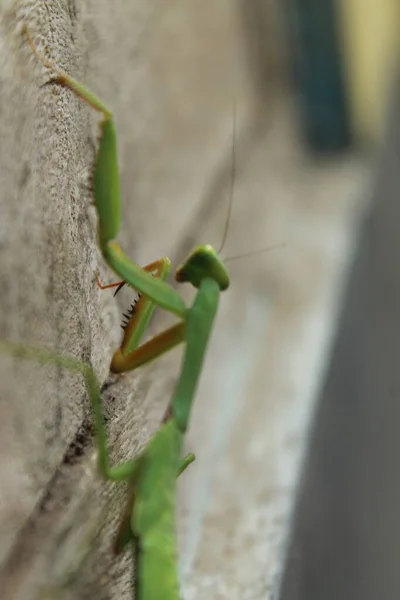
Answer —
149 523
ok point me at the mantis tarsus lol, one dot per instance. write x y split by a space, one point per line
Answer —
152 476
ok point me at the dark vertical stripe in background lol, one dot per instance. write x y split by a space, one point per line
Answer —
317 70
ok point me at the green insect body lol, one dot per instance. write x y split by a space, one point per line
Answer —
152 476
149 528
152 517
149 524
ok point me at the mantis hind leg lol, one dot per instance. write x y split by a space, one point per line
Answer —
66 80
107 197
120 472
105 173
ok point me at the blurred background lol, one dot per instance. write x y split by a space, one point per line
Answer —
341 62
291 108
314 454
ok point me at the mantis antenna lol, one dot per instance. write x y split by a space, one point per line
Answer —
254 252
232 182
230 203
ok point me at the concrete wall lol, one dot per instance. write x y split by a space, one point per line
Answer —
170 72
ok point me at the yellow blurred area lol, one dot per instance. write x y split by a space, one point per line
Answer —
370 42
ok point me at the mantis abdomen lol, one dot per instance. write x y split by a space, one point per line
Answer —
152 517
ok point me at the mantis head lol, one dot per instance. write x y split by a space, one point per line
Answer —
203 262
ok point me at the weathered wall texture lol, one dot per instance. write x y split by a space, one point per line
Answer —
170 72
